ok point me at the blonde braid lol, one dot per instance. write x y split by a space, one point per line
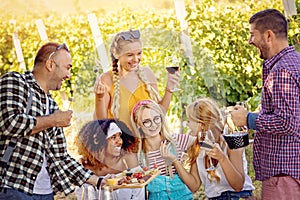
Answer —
115 106
154 95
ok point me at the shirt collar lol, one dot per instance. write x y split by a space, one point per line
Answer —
269 63
31 81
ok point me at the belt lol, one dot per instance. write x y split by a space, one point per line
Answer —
280 175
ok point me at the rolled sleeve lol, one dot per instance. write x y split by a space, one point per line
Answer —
251 120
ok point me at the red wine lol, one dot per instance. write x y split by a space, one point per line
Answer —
172 70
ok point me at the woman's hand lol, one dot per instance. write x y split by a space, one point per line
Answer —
173 80
99 88
216 152
165 151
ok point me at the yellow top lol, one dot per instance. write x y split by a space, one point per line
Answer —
128 101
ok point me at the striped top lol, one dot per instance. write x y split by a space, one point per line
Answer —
183 142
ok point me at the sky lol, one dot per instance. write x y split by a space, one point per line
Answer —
21 8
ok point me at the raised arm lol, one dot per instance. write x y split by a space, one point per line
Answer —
191 179
102 87
173 80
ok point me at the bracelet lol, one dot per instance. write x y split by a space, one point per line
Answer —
99 182
174 160
168 90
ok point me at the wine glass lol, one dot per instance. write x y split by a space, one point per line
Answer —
209 138
173 66
243 128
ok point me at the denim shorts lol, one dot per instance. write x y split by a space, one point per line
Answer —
230 195
13 194
166 187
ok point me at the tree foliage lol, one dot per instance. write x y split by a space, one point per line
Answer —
226 67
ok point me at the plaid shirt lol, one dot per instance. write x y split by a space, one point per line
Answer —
277 141
27 158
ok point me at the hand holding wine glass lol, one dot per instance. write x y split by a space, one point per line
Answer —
173 68
208 139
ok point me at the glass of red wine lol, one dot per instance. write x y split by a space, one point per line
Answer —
172 68
206 139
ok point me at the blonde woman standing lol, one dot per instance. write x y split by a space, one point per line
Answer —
118 90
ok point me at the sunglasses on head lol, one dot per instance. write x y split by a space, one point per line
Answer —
130 35
62 46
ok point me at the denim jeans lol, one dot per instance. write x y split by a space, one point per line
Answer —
12 194
229 195
166 187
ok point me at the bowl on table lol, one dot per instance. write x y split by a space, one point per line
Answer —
237 140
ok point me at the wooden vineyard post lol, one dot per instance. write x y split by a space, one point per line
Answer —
17 45
99 42
184 37
41 29
289 7
185 42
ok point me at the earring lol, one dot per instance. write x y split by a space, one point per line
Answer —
95 139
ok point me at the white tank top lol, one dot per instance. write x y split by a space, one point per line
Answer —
42 184
214 189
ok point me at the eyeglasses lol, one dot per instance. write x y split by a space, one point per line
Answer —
62 46
130 34
148 122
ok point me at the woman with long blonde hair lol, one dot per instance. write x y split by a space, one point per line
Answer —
162 150
119 89
228 179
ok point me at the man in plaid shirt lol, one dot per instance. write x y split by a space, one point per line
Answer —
277 140
39 165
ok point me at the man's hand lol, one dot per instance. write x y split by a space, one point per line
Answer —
239 116
62 118
57 119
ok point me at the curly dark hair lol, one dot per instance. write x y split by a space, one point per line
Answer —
91 139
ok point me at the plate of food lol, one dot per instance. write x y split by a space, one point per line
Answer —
133 179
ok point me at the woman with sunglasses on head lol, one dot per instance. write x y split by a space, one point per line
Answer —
103 146
162 150
228 180
119 89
